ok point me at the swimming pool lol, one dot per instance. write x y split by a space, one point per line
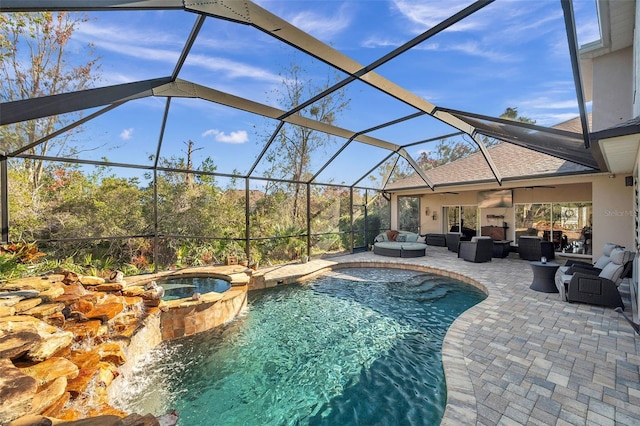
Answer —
355 346
184 286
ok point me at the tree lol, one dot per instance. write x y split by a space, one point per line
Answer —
512 114
34 62
449 150
295 145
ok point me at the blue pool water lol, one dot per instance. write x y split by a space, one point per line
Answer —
181 287
357 346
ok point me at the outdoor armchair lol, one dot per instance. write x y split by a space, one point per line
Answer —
479 249
597 288
453 239
534 248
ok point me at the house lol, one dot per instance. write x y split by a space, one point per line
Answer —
547 195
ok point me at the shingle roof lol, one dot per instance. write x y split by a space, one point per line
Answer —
511 160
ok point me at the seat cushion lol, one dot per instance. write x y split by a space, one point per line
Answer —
607 249
411 238
618 256
613 270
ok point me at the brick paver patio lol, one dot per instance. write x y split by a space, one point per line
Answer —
521 356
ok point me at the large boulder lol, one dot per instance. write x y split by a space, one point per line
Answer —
16 392
48 394
14 345
49 370
49 345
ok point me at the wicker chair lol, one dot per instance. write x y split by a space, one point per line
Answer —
453 238
533 248
594 285
479 249
601 289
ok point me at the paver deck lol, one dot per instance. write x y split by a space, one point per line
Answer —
521 356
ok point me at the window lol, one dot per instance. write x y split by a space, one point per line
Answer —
568 225
409 214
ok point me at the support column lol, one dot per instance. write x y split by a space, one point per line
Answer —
247 222
155 220
351 219
4 199
309 220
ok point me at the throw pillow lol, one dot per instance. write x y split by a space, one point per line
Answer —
401 238
411 238
422 239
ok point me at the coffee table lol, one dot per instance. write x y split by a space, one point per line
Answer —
544 276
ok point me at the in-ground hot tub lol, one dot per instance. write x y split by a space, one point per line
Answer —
221 296
186 286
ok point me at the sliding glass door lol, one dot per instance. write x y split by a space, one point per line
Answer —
461 219
568 225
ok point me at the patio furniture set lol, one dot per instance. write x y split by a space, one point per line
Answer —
576 281
471 248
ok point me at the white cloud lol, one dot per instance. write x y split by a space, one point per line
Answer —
473 48
126 134
426 15
239 136
120 34
374 42
125 42
322 27
546 103
232 68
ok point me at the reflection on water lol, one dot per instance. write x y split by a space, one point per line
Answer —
358 346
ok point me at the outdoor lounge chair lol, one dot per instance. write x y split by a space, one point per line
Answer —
534 248
479 249
597 287
600 263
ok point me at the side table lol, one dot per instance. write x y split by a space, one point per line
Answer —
544 277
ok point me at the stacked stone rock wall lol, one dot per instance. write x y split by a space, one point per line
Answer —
62 339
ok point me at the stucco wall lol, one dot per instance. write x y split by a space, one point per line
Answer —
612 207
612 213
613 89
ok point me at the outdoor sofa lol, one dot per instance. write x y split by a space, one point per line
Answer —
436 240
400 244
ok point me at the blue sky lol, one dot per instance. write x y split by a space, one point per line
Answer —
510 54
